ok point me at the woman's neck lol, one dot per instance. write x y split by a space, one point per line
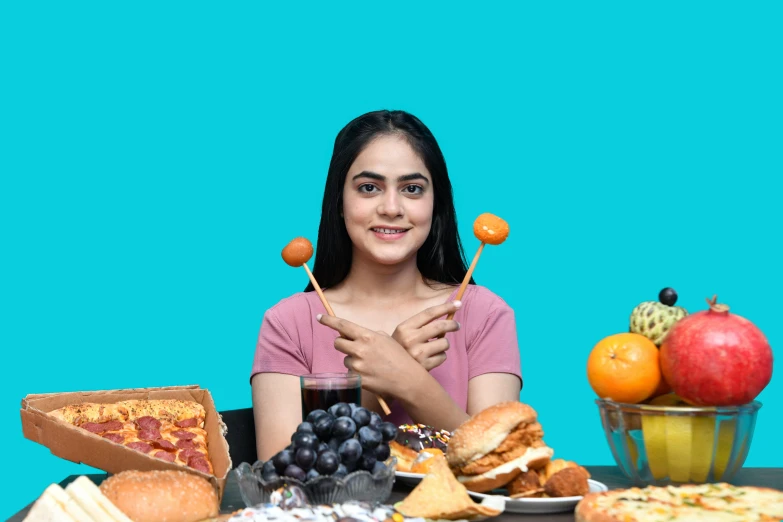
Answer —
381 283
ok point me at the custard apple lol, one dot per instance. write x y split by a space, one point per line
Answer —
654 319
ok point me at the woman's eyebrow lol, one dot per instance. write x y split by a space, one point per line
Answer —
400 179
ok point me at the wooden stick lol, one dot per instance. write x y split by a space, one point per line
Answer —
329 310
465 281
318 290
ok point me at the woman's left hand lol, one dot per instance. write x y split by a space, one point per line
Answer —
381 361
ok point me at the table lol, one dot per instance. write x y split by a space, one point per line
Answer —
609 475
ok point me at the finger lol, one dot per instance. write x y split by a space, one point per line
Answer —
431 313
437 346
424 351
434 362
347 329
344 345
438 329
348 362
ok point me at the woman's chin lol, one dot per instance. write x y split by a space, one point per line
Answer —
390 258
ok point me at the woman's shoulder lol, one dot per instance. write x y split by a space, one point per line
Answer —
483 298
292 306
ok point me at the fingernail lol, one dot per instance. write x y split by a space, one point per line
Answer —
457 303
459 326
318 317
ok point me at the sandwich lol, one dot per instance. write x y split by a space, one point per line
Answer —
154 496
491 448
80 501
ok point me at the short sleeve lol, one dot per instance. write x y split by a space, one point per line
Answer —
276 351
495 348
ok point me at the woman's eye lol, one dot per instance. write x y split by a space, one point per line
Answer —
367 188
413 189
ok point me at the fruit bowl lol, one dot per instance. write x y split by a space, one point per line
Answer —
357 485
656 444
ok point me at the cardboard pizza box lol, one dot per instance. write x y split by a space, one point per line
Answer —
80 446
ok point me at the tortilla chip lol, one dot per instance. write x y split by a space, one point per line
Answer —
440 495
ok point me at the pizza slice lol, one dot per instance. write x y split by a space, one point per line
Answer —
171 430
719 502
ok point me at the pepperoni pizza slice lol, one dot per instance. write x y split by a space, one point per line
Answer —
171 430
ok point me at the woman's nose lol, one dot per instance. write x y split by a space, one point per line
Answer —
390 205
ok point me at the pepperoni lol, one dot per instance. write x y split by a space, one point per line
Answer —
186 454
164 445
139 446
149 434
186 444
93 427
185 435
112 425
148 423
168 457
187 423
199 463
114 437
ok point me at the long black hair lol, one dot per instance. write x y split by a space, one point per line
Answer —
440 258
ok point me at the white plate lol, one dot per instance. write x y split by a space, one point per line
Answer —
543 505
409 479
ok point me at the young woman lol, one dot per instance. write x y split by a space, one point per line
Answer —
390 260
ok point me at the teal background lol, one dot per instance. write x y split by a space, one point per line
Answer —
156 158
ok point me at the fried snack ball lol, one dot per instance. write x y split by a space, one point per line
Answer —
490 229
553 466
298 252
524 482
568 482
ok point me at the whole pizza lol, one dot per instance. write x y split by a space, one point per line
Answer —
168 429
703 503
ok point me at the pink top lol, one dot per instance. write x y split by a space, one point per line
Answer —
292 341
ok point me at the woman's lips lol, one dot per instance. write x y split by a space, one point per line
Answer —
388 234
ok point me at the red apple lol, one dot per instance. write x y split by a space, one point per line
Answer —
714 358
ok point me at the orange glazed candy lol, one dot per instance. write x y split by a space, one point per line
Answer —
490 229
298 251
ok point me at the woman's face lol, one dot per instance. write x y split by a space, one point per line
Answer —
388 201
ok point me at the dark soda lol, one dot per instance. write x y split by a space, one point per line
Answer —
321 399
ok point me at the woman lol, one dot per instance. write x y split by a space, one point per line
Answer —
390 260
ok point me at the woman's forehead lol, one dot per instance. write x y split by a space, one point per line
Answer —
390 156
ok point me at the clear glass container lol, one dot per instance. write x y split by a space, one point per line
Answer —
357 485
661 445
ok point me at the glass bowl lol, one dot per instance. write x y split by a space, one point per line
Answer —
662 445
357 485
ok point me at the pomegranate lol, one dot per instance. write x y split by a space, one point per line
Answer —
714 358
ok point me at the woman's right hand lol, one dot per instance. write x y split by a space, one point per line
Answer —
423 337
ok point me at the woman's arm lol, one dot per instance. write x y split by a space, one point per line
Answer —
428 403
492 388
387 368
277 410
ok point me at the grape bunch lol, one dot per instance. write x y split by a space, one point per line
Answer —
334 443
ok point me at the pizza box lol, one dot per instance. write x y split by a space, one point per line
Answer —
80 446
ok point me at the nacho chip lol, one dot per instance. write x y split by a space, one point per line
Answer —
440 495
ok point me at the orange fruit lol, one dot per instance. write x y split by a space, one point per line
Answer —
624 368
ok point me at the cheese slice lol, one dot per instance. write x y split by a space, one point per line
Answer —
56 505
90 498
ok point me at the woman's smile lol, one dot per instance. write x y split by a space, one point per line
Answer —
389 233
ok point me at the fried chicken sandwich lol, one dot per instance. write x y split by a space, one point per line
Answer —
494 446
